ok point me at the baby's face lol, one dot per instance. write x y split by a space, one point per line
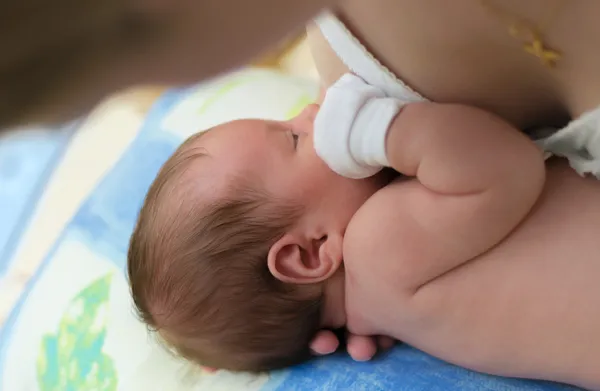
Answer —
280 157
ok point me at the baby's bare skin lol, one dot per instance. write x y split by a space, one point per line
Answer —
458 52
478 260
529 307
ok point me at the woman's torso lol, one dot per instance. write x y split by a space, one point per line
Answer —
460 51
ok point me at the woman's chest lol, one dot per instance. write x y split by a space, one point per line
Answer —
459 52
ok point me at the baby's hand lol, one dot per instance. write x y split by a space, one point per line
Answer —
360 348
351 126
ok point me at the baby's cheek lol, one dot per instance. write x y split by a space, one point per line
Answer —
316 175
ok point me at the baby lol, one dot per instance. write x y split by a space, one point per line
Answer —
256 234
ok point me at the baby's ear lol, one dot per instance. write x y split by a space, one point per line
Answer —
297 260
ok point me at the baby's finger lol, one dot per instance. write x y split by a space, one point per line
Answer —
325 342
361 348
385 342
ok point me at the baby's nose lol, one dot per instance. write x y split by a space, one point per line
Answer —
303 122
309 113
312 110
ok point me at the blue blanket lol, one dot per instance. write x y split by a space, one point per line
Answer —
106 220
27 158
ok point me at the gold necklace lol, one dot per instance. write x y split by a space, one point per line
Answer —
530 34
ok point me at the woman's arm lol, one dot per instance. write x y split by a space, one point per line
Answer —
227 33
113 46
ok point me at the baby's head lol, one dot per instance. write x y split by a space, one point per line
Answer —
236 257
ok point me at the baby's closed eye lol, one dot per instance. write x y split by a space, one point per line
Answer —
295 138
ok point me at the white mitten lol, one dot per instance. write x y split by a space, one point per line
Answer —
351 127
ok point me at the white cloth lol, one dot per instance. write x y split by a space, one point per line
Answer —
361 62
578 142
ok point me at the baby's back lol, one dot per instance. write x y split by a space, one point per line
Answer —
529 307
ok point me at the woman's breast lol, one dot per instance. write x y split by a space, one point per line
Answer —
458 52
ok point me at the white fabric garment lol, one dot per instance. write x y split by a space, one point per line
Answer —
361 62
579 142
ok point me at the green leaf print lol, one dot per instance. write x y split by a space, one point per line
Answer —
72 359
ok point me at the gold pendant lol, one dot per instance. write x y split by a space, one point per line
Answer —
547 56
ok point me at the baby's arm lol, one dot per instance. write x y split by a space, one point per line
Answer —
477 178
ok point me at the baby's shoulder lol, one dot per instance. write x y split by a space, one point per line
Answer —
384 236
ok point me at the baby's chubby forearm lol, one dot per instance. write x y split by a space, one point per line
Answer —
479 178
456 150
